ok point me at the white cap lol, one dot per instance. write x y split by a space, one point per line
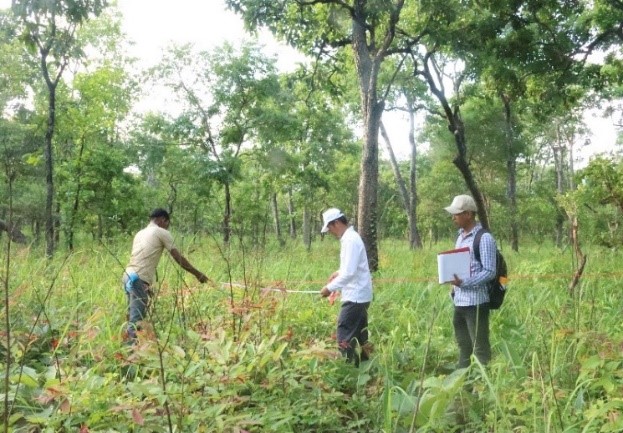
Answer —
462 203
328 216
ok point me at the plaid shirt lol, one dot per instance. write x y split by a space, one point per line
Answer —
474 290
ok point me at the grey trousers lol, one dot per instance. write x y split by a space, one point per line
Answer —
471 329
352 330
138 302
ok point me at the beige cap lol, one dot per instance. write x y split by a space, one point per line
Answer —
462 203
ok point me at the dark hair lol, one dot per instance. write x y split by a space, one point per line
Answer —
341 219
159 212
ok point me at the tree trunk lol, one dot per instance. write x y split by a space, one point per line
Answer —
559 161
100 227
368 187
367 73
307 237
291 214
14 232
461 163
402 188
57 224
276 221
456 127
227 215
49 169
74 211
255 222
415 241
36 231
511 169
571 165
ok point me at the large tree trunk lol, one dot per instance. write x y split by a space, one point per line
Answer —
368 187
367 72
511 168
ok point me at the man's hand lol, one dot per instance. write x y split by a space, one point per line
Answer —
202 278
325 292
457 281
333 297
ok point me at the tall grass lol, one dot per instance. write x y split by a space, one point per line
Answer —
239 358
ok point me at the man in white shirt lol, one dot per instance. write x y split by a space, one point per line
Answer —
140 274
353 279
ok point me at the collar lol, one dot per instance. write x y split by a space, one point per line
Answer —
473 231
349 228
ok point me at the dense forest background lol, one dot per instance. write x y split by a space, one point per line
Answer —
502 88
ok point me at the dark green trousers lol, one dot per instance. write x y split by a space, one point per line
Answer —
471 329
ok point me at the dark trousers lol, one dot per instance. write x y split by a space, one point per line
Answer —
471 329
352 330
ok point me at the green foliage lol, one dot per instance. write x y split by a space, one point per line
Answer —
598 201
260 360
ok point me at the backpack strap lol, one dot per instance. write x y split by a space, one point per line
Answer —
476 244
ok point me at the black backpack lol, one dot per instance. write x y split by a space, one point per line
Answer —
497 291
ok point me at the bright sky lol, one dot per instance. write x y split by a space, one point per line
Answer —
155 24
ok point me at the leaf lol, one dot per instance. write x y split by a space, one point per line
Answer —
178 352
28 381
15 417
279 351
363 379
65 406
402 402
40 418
137 417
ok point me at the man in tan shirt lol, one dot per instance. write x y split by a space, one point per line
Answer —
140 274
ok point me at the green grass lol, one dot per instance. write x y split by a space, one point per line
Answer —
220 360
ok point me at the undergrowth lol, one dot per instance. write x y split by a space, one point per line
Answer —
246 354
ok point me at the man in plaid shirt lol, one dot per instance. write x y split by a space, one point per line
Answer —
471 296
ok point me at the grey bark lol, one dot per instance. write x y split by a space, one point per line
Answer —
291 214
276 220
457 128
511 169
307 237
407 203
14 232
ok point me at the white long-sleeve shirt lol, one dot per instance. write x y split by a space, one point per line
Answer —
353 278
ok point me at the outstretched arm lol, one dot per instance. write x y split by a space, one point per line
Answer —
187 266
